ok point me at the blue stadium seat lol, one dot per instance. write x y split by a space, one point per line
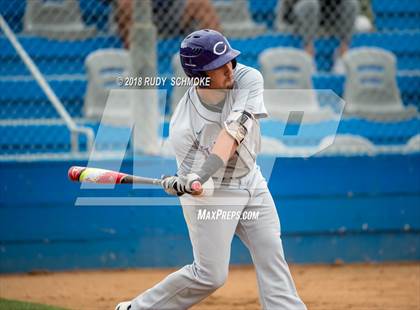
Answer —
395 6
263 11
13 12
405 45
396 14
32 102
72 90
52 56
384 23
68 57
36 138
324 57
397 133
95 12
407 83
56 138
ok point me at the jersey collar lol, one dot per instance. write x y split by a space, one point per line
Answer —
201 109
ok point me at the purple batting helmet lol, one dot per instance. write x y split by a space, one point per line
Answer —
205 50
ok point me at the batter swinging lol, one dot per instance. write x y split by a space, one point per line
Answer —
216 137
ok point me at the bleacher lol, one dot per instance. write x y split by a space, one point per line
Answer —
396 14
397 26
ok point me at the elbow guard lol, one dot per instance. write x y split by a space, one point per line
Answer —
239 124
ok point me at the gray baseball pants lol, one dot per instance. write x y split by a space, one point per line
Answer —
211 241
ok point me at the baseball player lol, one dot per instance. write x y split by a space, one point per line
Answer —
216 137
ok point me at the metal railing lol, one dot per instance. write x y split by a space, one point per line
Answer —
74 129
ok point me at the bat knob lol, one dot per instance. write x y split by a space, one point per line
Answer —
197 188
75 172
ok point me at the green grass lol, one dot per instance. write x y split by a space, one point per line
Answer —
6 304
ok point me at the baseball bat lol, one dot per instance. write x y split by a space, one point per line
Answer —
104 176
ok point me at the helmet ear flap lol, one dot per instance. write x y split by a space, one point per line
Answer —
233 63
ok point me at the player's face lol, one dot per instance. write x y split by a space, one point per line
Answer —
222 77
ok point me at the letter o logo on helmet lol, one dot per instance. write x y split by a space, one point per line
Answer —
205 50
220 51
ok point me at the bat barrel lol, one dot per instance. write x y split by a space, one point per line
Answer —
103 176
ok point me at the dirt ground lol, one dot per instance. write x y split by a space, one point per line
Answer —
322 287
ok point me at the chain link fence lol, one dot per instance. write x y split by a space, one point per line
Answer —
367 52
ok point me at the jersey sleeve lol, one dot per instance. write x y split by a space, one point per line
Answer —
249 93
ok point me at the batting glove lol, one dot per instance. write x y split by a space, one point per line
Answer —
179 185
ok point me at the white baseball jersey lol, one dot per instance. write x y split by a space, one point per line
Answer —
195 126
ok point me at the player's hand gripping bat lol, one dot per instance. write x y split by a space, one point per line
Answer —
103 176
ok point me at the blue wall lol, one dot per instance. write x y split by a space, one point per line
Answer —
347 208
